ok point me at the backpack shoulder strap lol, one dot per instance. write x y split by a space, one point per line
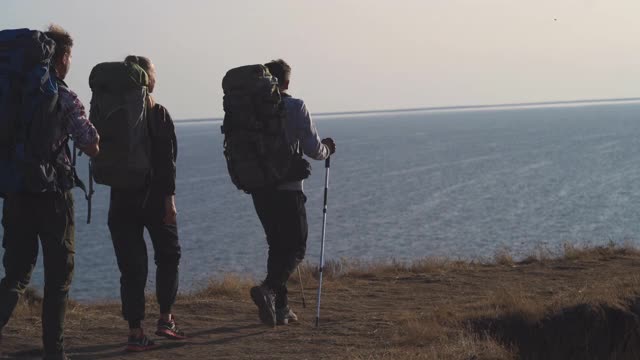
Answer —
60 82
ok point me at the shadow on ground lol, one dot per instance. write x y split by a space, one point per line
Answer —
584 332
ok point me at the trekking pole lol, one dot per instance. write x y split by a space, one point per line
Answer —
327 165
304 301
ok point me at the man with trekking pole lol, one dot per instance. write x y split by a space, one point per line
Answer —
278 192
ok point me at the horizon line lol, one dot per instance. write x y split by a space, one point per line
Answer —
452 107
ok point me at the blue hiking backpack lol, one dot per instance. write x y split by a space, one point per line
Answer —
31 125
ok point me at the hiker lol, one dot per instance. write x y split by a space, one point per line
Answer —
44 209
145 203
281 209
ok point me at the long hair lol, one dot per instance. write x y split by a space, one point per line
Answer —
145 64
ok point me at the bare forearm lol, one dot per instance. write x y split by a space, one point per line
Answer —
92 150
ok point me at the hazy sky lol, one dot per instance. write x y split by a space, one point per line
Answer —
356 55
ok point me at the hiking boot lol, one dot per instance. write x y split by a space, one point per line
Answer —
264 299
284 315
169 330
137 344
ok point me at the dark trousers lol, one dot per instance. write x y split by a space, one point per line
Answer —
284 219
130 212
27 217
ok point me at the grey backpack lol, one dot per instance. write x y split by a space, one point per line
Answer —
119 112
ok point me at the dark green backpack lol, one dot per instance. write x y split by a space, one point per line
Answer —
119 113
255 144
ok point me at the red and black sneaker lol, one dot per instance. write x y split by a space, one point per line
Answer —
138 344
169 330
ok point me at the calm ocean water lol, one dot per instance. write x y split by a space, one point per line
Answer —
405 186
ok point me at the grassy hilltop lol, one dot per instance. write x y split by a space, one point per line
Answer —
579 305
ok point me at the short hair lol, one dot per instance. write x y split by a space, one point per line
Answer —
280 69
144 62
64 41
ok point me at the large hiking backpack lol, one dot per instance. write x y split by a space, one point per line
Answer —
119 113
255 144
32 136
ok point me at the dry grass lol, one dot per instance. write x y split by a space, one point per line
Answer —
350 268
437 336
516 301
584 252
421 309
420 330
615 292
459 346
540 254
503 257
230 286
437 265
468 346
336 269
512 299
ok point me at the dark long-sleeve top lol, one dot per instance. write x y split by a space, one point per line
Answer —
164 151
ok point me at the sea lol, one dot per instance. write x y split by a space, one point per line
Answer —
463 184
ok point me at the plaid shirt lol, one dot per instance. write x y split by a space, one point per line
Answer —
79 128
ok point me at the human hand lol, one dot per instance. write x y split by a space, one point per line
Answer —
171 213
330 144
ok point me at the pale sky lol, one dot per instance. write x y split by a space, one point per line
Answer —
358 55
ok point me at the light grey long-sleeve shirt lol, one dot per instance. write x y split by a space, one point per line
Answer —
302 131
